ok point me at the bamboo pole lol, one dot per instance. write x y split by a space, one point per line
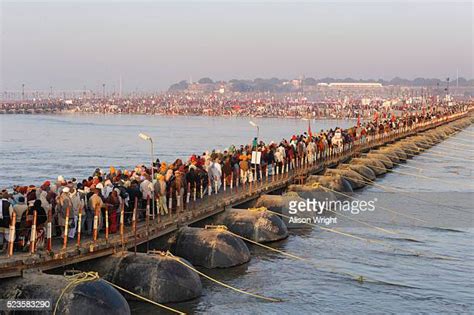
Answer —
147 220
79 227
96 223
49 231
188 194
122 219
106 223
134 224
11 241
33 233
170 202
66 228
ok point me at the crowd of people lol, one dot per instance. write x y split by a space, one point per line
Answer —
292 105
166 189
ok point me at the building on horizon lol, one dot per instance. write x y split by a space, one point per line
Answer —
355 85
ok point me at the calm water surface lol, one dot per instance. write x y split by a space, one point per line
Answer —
35 148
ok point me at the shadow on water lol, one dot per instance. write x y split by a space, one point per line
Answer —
401 240
441 229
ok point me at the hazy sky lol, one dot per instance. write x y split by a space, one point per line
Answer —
72 44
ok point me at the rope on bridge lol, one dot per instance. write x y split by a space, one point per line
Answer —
456 158
450 143
168 254
429 158
359 278
404 165
420 176
368 240
77 278
408 194
355 220
424 177
385 208
372 240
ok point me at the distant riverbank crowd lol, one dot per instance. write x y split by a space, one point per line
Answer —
260 105
169 187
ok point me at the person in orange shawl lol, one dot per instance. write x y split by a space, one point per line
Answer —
244 168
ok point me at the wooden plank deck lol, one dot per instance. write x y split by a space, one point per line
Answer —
197 211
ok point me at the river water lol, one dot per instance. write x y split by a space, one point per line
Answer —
36 148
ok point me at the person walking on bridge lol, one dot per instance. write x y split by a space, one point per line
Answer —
6 210
95 203
64 203
160 195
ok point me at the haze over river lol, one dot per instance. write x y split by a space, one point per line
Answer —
37 148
